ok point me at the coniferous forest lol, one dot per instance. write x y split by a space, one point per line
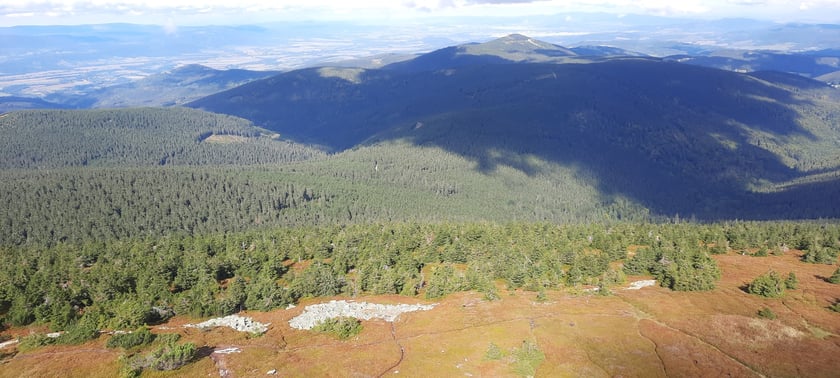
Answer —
133 216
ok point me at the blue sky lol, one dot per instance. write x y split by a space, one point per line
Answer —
188 12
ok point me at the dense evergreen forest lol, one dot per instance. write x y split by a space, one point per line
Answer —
119 218
672 138
104 174
128 283
39 139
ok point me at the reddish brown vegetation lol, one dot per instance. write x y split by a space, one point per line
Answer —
648 332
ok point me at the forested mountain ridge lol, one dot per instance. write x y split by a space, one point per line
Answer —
137 137
514 48
811 64
677 138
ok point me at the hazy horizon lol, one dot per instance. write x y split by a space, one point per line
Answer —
174 13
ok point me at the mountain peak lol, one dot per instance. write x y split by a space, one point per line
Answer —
193 69
518 48
516 37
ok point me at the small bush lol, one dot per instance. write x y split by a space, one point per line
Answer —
528 358
166 357
34 341
766 313
341 327
791 282
491 294
541 296
820 255
835 307
718 249
768 285
78 334
141 336
835 278
168 338
493 352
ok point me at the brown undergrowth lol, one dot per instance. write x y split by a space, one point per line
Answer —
652 332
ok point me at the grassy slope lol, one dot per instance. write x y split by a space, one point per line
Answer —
650 332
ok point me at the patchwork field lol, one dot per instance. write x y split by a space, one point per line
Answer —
633 333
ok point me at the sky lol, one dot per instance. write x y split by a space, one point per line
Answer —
238 12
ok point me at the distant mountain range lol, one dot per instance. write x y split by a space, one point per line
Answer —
514 128
175 87
821 65
678 138
11 103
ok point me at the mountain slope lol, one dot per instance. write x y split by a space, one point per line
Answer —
676 138
809 64
53 139
11 103
514 48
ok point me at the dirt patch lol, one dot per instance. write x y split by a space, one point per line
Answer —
226 139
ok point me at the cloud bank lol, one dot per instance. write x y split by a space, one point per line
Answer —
241 11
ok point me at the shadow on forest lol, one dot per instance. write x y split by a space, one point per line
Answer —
676 138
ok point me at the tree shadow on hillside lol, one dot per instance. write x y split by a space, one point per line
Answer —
675 138
678 139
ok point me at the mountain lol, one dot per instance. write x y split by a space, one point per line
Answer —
674 138
597 50
810 64
178 86
514 48
10 103
140 137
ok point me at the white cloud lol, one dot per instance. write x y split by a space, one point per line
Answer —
243 11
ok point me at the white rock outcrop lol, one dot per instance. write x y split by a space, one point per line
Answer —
314 314
640 284
239 323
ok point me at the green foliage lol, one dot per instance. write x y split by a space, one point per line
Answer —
79 333
766 313
768 285
643 262
167 338
688 271
835 306
816 254
835 277
493 352
603 290
319 279
445 280
139 337
541 296
761 252
341 327
527 358
136 137
791 282
169 356
34 341
136 282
